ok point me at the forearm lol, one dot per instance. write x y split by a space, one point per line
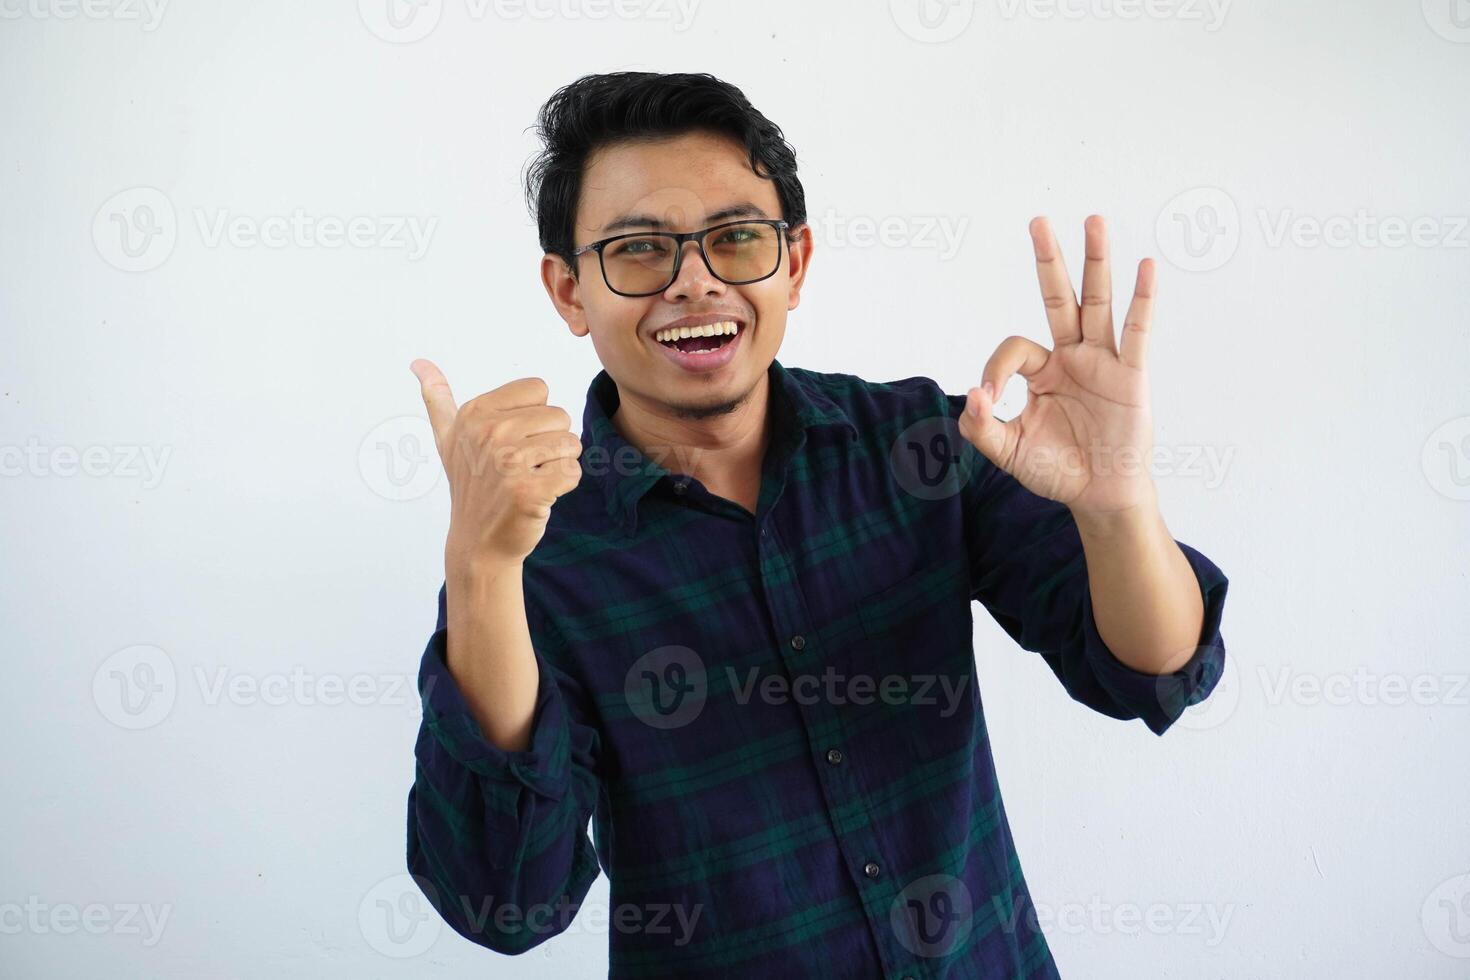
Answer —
488 649
489 831
1146 601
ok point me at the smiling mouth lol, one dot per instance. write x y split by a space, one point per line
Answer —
700 340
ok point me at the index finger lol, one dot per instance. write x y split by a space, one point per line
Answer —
438 399
1056 286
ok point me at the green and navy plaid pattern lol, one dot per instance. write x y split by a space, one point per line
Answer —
771 719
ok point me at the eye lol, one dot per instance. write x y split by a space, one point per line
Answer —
637 246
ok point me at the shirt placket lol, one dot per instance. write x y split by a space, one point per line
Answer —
801 651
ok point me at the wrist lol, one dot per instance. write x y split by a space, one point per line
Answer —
1143 517
476 569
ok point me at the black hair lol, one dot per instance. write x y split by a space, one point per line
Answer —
639 106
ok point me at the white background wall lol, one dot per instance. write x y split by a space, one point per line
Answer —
1311 820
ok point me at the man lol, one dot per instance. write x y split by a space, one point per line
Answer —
741 639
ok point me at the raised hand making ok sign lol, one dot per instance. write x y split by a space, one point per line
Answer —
1085 434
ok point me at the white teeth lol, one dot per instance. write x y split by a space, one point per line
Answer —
707 330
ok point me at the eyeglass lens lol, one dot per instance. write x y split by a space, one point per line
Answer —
738 253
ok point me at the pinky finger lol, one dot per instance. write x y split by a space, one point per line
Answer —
1138 324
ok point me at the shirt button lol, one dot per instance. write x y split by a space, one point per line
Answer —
798 642
679 487
834 756
871 869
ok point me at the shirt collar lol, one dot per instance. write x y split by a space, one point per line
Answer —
624 474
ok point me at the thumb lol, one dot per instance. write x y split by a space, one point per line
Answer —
438 399
984 431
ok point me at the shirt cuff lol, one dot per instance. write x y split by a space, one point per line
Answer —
1159 699
542 767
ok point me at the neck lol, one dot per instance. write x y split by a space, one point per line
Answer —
722 446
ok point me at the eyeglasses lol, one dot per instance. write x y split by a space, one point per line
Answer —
647 262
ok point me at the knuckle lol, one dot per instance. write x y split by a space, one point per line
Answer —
468 420
496 431
525 495
478 407
535 387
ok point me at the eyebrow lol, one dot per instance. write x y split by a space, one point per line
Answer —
744 209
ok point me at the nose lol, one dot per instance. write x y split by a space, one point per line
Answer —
695 277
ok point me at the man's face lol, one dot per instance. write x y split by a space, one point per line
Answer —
684 183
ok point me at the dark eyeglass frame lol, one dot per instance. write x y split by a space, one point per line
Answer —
680 237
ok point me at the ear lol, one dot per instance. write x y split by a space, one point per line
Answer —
800 245
565 292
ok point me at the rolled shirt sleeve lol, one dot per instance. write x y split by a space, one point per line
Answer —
498 839
1159 699
1028 568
